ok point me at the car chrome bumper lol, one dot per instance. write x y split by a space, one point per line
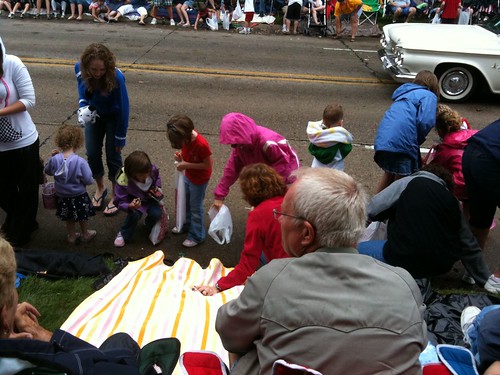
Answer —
390 65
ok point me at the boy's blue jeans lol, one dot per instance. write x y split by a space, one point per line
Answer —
154 212
195 214
374 248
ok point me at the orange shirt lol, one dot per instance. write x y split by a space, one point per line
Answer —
346 7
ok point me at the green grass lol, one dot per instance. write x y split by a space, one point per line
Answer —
55 299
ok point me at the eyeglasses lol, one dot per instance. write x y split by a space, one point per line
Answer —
277 214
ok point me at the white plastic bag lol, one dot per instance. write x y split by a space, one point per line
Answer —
180 201
160 229
377 230
221 226
225 20
237 13
436 18
213 23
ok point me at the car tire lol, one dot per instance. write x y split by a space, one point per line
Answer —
457 83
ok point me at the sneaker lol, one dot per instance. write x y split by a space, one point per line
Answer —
11 15
243 31
154 21
188 243
36 16
466 278
493 284
466 319
22 15
283 29
172 22
49 17
119 241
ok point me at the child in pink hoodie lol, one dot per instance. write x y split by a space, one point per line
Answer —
449 152
252 143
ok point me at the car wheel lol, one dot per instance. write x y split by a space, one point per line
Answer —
457 84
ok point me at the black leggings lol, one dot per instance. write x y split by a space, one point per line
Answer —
20 170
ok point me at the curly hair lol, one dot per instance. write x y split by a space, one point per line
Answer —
100 52
179 130
427 79
69 136
137 162
7 273
447 120
259 182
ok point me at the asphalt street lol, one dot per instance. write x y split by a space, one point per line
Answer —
281 81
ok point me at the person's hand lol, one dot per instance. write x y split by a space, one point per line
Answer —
181 166
217 204
206 290
135 204
26 323
54 152
178 157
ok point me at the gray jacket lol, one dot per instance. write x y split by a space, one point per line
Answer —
333 310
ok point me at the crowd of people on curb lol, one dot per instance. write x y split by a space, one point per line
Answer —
209 14
304 228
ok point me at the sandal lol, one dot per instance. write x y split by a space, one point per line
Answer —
352 39
142 23
110 210
98 203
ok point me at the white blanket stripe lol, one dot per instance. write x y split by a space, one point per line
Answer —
150 300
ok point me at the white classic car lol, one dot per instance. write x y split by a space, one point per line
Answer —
462 56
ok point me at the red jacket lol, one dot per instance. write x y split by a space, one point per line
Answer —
263 234
449 154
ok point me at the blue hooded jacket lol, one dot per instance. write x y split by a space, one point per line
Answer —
408 121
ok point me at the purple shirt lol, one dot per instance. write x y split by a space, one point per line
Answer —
71 175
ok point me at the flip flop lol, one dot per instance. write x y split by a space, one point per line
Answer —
110 210
100 201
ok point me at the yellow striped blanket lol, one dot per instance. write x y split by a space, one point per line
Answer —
150 300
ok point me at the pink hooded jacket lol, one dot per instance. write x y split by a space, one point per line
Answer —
449 154
255 144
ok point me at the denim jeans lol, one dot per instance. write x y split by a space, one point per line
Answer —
375 249
195 214
94 138
472 332
154 212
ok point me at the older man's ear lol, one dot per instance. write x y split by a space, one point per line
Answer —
308 236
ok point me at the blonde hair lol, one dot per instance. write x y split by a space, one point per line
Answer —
107 82
334 203
7 273
69 136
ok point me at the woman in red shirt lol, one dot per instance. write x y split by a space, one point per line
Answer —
264 189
